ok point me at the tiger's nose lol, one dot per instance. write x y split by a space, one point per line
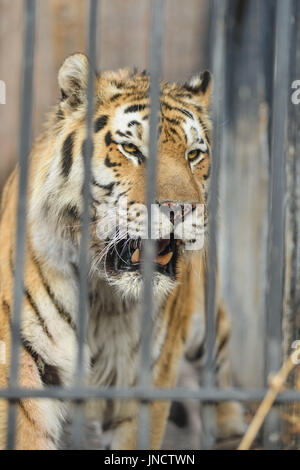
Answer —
177 210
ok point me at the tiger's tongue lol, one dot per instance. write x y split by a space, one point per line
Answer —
135 258
163 260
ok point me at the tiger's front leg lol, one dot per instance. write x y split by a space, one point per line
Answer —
229 415
38 422
165 371
125 435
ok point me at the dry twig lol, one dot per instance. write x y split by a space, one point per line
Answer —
276 384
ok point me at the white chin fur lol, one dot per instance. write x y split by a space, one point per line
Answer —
130 285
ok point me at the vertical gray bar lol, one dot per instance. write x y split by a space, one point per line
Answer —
24 150
276 238
291 324
78 422
218 13
157 17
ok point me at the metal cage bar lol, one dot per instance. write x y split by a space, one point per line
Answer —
77 431
24 151
218 13
276 239
156 33
208 395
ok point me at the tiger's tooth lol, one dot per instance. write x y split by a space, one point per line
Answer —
135 258
164 259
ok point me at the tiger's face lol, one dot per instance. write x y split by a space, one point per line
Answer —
118 181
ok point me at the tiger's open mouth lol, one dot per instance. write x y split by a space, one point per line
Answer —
127 256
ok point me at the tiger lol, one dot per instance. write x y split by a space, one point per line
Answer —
49 323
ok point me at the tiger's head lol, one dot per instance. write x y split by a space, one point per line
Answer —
119 161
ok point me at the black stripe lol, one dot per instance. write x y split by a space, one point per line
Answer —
67 152
32 303
220 364
184 111
25 412
69 222
174 131
134 123
222 345
181 110
64 96
183 103
107 187
182 95
108 139
29 349
100 123
121 134
135 348
120 195
168 136
113 424
6 192
95 358
207 175
49 373
198 108
178 414
109 163
198 354
136 107
204 128
70 212
37 313
59 307
6 307
115 97
95 201
75 270
176 122
167 106
60 114
118 84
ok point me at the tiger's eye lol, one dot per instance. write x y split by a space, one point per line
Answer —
129 148
193 155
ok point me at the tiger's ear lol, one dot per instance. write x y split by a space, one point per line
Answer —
73 80
201 87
